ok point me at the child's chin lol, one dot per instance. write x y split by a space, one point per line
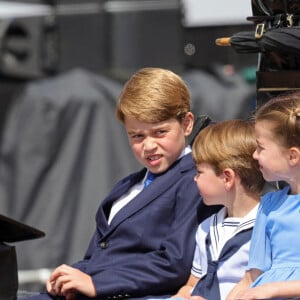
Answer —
206 202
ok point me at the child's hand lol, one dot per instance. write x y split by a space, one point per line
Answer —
67 281
183 293
259 292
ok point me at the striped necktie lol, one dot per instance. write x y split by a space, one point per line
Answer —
149 179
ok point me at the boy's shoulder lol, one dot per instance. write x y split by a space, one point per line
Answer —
209 221
186 161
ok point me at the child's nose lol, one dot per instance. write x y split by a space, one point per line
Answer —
149 144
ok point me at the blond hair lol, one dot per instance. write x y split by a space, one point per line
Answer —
153 95
284 113
230 144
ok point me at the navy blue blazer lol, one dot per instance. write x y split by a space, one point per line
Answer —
148 248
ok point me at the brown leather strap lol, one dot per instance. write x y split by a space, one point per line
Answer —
277 81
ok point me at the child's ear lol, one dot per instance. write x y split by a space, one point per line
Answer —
294 156
188 123
229 178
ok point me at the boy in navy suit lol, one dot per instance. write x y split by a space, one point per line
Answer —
144 242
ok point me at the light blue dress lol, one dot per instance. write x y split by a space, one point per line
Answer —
275 243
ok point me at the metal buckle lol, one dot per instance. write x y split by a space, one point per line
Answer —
259 31
289 20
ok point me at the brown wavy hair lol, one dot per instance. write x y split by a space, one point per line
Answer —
154 95
230 144
284 113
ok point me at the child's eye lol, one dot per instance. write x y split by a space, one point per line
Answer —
198 173
259 148
161 132
136 136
